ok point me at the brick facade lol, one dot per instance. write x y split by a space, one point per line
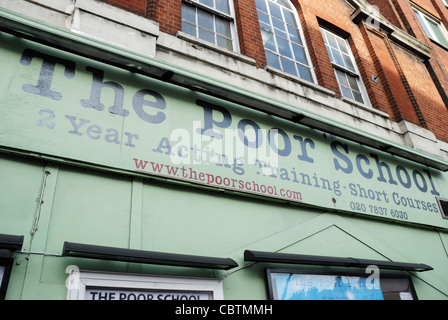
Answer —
168 13
251 43
410 87
135 6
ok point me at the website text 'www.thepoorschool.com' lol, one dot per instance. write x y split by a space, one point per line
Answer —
209 179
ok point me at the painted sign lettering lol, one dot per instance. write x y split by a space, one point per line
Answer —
59 104
93 293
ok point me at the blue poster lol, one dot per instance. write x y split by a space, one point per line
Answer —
292 286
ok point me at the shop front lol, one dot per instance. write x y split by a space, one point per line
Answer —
129 179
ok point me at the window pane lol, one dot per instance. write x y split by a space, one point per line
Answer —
266 27
189 28
305 73
261 5
205 20
206 35
278 24
283 47
263 17
358 96
294 35
223 6
299 53
348 62
279 28
422 22
225 43
332 40
346 92
280 33
189 13
342 78
342 45
434 27
289 66
289 17
337 57
353 83
349 86
208 2
272 60
284 3
275 11
440 37
268 40
329 53
223 27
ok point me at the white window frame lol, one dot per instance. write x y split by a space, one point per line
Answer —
423 18
79 281
290 42
347 72
216 14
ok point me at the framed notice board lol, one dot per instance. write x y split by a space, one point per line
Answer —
308 285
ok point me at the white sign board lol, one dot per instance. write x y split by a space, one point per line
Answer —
93 293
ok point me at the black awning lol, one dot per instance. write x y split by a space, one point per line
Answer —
287 258
148 257
11 242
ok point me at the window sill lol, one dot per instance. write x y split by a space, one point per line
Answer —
326 91
365 107
276 72
309 84
208 45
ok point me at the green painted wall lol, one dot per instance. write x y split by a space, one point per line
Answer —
65 107
87 206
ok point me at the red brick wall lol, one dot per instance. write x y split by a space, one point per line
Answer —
428 6
432 75
135 6
425 92
388 10
336 16
408 89
168 13
389 93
